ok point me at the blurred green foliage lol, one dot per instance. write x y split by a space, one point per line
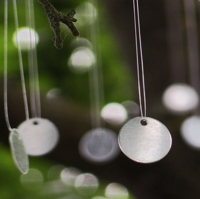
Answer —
53 64
11 187
55 73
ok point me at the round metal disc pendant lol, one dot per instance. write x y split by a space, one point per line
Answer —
99 145
145 140
18 151
40 136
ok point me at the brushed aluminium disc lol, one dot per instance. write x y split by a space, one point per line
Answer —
18 151
40 136
144 140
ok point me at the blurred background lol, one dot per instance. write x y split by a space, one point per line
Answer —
67 99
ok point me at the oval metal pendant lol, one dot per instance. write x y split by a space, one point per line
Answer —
145 140
18 151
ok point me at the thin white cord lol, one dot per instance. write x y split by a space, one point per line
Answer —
21 62
192 42
139 59
95 74
176 44
33 63
6 65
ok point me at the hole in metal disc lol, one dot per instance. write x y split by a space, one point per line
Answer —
35 122
144 122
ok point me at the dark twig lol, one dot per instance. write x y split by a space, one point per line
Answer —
55 18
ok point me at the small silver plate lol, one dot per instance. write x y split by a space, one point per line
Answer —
40 136
145 140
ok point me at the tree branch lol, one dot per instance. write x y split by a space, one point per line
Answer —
55 18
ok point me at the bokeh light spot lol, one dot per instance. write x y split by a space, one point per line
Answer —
114 113
99 145
86 14
81 42
54 187
116 191
190 131
25 38
81 60
68 176
55 172
180 98
33 180
86 184
53 93
132 108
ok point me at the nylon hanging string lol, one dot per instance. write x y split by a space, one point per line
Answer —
95 73
33 63
139 59
21 62
192 44
6 65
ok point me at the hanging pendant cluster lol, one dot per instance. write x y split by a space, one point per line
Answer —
142 139
36 136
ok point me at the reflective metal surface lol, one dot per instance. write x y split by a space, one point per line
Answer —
18 151
145 140
40 136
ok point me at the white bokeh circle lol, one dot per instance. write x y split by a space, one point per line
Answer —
86 183
114 113
116 191
86 14
180 98
99 145
25 38
81 60
190 131
69 175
